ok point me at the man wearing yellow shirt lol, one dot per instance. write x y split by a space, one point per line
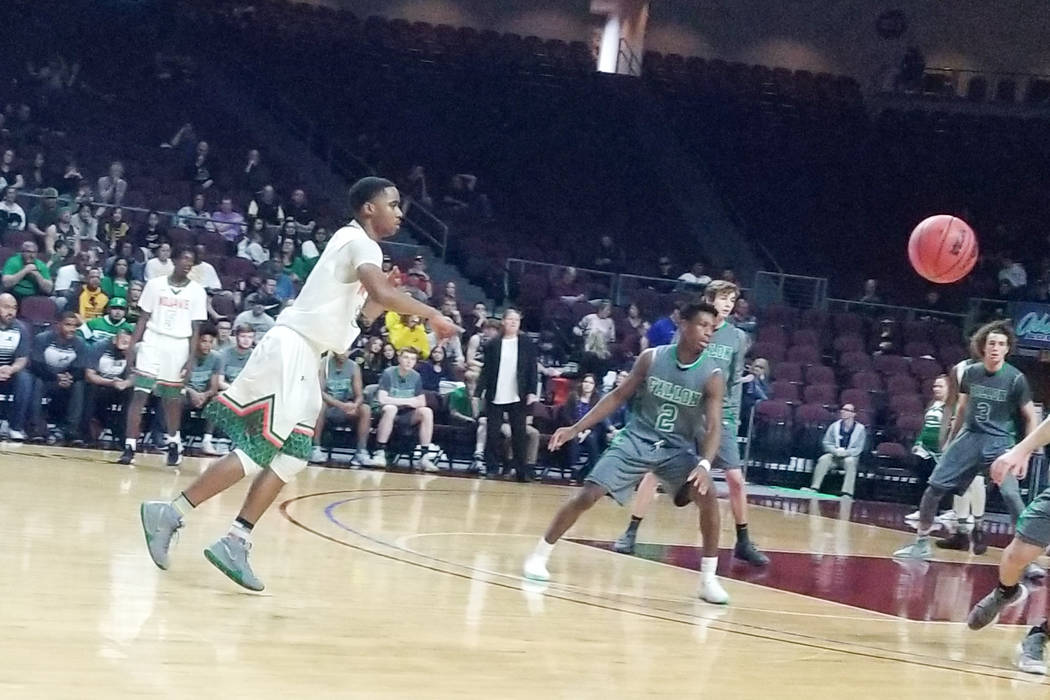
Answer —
407 332
92 299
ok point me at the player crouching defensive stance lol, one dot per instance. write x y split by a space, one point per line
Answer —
677 412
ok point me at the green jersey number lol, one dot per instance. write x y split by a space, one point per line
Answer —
983 410
666 420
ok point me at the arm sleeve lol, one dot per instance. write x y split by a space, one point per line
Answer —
148 300
1022 390
964 383
857 440
25 343
37 364
384 382
829 438
362 250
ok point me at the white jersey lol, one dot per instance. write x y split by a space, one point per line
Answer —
172 310
326 310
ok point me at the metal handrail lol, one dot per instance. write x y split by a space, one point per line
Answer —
910 311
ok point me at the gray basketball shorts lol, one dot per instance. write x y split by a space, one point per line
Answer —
728 456
629 458
965 457
1033 527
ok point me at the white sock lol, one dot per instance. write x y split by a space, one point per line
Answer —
708 565
978 495
543 549
240 531
131 442
207 437
176 438
182 504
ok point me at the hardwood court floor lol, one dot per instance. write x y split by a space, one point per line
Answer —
395 585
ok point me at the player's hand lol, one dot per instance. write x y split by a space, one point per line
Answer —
560 437
444 327
700 477
1013 461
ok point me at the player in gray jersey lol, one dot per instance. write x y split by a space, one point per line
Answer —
677 393
727 349
993 395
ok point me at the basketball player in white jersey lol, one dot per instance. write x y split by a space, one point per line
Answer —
165 340
270 410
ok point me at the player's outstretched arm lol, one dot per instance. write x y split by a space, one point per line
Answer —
1015 460
381 291
608 403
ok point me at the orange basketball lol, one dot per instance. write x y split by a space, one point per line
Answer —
943 248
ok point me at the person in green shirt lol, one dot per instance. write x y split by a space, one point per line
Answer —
24 275
107 326
115 284
928 442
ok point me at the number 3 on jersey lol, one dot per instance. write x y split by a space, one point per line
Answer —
666 420
983 409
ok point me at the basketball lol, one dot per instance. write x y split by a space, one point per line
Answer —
943 248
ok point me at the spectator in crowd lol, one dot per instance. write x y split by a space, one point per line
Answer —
389 355
85 225
1013 278
408 332
265 206
436 370
755 387
198 171
728 275
251 246
599 334
70 180
343 397
194 215
927 446
417 276
134 294
115 284
402 403
12 215
59 376
112 187
871 292
289 232
202 382
477 342
106 327
254 175
664 270
185 140
618 419
697 277
392 271
236 353
64 230
58 257
160 266
203 273
152 234
9 173
580 402
743 319
115 229
479 316
256 318
301 212
452 346
92 300
224 337
414 189
464 408
369 359
313 247
44 216
16 343
550 359
568 288
662 332
39 175
265 297
464 198
449 292
638 328
107 381
609 257
508 384
24 275
843 443
228 223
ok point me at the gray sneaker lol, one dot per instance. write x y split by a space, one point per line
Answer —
920 549
160 521
988 608
1030 653
230 556
625 545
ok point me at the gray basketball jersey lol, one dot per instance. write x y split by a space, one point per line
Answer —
727 349
994 400
669 406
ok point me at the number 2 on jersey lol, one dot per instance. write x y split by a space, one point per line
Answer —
666 419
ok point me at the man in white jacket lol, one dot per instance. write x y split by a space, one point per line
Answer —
843 443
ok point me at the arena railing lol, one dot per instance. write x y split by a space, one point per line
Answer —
896 312
975 86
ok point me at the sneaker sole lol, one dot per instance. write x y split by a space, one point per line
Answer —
714 602
234 576
532 577
145 533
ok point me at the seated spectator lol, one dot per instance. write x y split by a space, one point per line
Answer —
43 217
16 343
91 302
634 319
39 174
266 207
85 225
871 292
256 318
254 175
228 223
152 234
289 232
408 332
453 346
203 273
301 212
115 229
161 265
609 257
266 297
414 189
389 356
550 360
107 382
115 284
618 420
435 370
135 258
105 327
64 231
12 215
697 278
479 316
464 406
743 319
580 402
369 359
755 387
198 171
567 288
194 215
9 173
1013 278
134 294
448 292
662 332
392 271
727 275
224 339
112 187
402 404
843 444
59 375
24 275
664 269
236 355
202 382
464 198
417 276
343 402
315 246
58 257
251 246
477 342
599 333
70 180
